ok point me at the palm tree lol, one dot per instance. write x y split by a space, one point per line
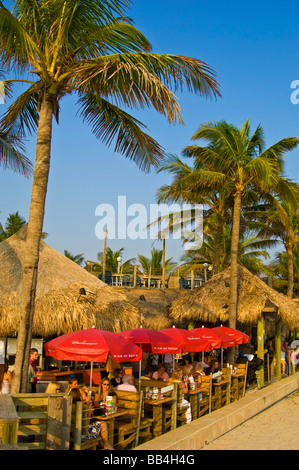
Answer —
281 273
112 263
91 50
13 224
154 264
279 219
237 161
78 259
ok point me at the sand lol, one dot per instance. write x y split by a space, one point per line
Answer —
276 428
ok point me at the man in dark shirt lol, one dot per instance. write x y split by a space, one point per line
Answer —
33 356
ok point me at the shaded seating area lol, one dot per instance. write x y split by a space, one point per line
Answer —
108 277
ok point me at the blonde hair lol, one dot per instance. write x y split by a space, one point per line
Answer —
52 387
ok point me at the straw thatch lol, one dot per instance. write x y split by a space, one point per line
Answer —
209 303
59 308
153 305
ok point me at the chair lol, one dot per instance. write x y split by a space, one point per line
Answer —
138 281
238 386
205 405
183 283
134 423
108 277
126 280
79 425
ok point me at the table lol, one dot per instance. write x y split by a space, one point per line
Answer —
218 387
193 400
109 419
116 280
157 411
157 280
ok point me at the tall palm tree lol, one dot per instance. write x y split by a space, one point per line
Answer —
279 219
89 49
237 161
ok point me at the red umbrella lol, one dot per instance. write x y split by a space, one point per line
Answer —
92 345
207 334
235 335
152 341
191 341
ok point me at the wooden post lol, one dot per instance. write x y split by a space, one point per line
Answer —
104 257
59 423
278 349
135 275
163 265
260 346
9 421
149 278
192 278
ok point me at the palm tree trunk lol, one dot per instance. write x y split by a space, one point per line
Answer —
290 271
218 248
34 230
233 294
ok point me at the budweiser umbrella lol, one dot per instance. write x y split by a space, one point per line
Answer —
152 341
92 345
238 336
191 341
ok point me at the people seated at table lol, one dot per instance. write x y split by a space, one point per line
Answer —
177 376
118 377
73 384
104 390
148 372
128 384
187 365
95 428
53 387
161 373
214 367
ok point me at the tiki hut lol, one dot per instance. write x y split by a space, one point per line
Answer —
209 303
153 305
68 298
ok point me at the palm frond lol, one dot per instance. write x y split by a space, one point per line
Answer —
110 123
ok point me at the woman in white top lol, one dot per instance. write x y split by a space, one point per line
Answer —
5 378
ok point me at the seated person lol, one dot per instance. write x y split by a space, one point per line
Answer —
105 390
95 428
214 367
53 387
118 377
73 384
148 372
128 384
161 374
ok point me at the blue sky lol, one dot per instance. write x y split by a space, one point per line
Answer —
252 48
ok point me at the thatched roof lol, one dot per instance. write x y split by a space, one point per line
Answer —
154 305
59 308
209 302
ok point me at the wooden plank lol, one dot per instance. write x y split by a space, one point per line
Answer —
32 430
32 415
32 445
29 401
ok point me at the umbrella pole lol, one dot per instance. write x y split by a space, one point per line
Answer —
90 381
139 384
221 357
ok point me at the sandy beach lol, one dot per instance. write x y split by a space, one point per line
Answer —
277 428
